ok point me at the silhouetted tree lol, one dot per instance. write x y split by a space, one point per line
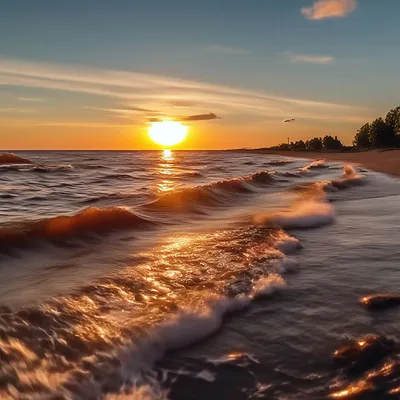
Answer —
361 139
331 143
381 134
300 145
282 146
393 119
314 144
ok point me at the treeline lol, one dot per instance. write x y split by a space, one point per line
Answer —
315 144
380 133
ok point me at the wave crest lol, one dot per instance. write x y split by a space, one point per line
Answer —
9 158
304 215
57 229
213 193
317 164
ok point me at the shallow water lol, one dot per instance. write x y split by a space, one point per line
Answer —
188 275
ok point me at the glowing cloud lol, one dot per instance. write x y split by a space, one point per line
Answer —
154 96
311 59
322 9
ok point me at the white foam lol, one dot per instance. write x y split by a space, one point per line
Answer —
206 375
287 244
350 178
192 325
267 286
287 265
313 165
306 214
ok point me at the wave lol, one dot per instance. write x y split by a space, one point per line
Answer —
381 301
9 158
304 215
316 189
199 321
98 349
368 368
58 229
350 178
191 174
280 162
109 197
24 167
287 244
114 177
51 168
317 164
213 193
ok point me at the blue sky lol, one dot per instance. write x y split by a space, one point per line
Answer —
109 66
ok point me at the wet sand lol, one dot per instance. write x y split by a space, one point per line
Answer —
387 161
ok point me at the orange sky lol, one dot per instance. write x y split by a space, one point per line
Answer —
29 135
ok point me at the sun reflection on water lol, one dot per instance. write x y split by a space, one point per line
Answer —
166 169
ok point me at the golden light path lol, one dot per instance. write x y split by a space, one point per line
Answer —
167 133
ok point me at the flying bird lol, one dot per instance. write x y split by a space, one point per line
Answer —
290 120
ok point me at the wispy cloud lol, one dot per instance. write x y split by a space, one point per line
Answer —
13 110
190 118
31 99
322 9
311 59
233 51
200 117
153 95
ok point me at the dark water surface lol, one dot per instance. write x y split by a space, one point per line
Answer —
194 275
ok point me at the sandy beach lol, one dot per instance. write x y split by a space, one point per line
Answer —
386 161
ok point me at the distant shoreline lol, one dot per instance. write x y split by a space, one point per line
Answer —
386 161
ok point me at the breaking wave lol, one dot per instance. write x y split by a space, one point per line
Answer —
303 215
215 193
9 158
314 165
58 229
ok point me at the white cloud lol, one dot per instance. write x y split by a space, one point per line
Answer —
144 92
311 59
31 99
234 51
322 9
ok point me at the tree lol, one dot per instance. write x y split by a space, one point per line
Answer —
300 145
361 140
314 144
382 134
331 143
393 119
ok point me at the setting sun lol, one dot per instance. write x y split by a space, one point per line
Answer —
167 133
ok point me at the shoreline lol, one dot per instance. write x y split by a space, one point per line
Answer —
385 161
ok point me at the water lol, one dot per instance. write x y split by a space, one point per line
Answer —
192 275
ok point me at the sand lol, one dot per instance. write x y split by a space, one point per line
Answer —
387 161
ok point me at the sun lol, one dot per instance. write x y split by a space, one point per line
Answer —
167 133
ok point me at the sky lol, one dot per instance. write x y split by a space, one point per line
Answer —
93 74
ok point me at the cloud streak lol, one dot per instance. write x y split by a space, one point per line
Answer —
154 95
233 51
310 59
200 117
190 118
31 99
322 9
12 110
